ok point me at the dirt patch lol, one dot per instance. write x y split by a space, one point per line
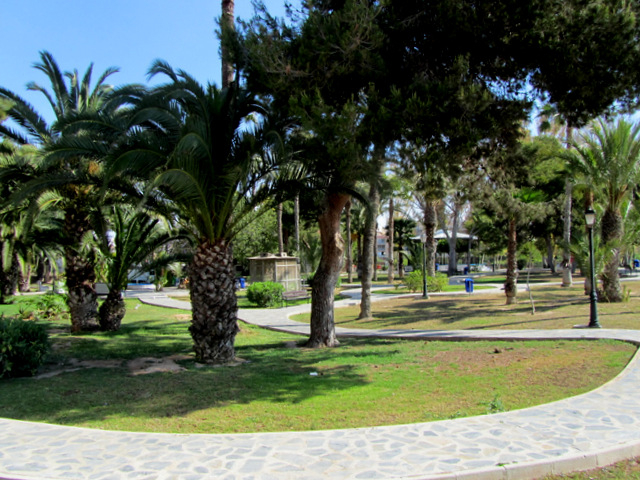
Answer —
146 365
138 366
478 359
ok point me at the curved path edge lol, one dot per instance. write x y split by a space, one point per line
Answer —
586 431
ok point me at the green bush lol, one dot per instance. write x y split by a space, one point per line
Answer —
413 281
50 306
265 294
23 347
437 283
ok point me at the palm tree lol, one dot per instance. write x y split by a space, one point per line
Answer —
403 233
28 230
607 160
137 236
217 175
75 179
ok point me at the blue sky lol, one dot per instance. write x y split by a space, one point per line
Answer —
128 34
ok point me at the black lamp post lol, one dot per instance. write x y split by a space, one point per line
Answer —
423 237
590 220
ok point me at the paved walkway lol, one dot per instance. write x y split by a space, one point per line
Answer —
582 432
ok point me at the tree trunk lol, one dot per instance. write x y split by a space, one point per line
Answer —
82 298
280 233
359 255
369 251
296 222
612 230
567 280
430 223
9 278
511 283
390 241
25 279
214 322
374 259
453 240
323 333
112 312
227 22
349 256
550 260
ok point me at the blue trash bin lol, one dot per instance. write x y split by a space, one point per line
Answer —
243 282
468 285
636 263
466 271
437 266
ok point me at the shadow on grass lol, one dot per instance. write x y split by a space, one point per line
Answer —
272 373
487 311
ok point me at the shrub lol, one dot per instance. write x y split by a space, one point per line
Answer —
413 281
437 283
265 294
23 347
50 306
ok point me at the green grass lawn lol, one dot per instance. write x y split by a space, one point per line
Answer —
627 470
555 307
281 386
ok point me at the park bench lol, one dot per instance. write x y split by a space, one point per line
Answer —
293 295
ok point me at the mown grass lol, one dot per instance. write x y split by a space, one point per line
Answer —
555 307
362 383
626 470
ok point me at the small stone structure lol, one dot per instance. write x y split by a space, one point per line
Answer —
276 268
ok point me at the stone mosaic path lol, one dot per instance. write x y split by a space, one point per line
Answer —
582 432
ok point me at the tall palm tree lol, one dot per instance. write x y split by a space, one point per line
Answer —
75 179
607 159
217 174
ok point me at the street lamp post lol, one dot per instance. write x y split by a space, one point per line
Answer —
425 293
590 220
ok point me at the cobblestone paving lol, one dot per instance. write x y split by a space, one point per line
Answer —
585 431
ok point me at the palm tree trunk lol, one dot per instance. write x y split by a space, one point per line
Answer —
9 278
549 244
280 232
296 221
214 322
112 311
511 283
227 22
323 332
612 229
25 279
82 298
391 242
